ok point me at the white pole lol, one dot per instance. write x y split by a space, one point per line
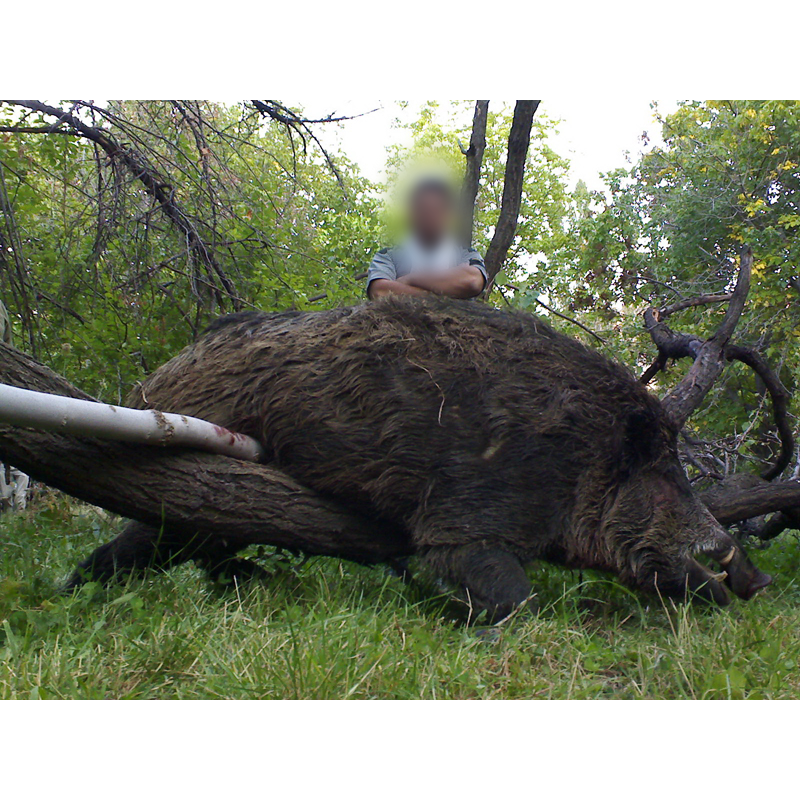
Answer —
52 412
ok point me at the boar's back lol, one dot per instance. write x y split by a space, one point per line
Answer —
376 403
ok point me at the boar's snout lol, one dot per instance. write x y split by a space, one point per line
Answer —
760 580
678 535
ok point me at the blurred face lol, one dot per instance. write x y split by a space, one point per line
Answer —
430 214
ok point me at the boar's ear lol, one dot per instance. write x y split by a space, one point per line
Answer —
641 438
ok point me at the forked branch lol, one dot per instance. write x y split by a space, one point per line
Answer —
709 357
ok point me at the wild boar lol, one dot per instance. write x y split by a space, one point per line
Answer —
485 435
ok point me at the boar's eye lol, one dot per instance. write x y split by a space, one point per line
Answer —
666 494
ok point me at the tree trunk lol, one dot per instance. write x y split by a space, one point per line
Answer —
518 140
472 171
192 493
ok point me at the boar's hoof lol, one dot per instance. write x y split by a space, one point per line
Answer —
492 582
135 550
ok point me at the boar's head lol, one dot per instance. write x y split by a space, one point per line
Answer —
659 531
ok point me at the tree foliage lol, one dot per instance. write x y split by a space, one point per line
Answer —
672 227
105 285
114 257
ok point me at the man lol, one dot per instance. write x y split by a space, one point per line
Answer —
13 483
430 261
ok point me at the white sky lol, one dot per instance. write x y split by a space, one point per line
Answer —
594 134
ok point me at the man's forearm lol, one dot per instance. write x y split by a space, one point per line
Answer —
463 282
380 287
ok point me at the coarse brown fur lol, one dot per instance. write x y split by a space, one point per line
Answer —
491 438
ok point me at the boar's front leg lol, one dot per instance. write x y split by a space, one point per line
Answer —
141 547
490 580
138 548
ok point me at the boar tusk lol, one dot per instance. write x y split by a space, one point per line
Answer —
725 560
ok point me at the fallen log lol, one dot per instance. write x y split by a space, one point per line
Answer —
197 493
213 495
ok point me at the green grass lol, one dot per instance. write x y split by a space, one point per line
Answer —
328 629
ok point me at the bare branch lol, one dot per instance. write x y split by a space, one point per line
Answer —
323 295
773 525
685 398
553 311
293 122
738 300
741 497
669 343
700 300
779 395
19 283
45 129
320 120
659 363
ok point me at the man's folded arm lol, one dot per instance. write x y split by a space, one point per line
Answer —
380 287
382 277
466 280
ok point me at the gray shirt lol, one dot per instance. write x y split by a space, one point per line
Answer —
395 262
